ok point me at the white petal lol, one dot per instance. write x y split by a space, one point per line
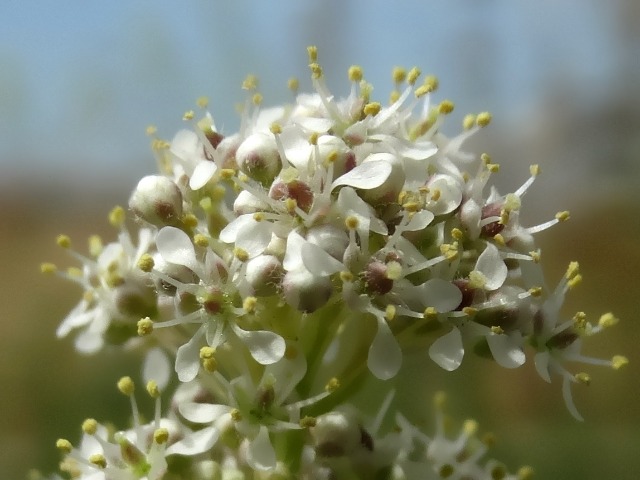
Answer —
319 262
420 221
265 347
442 295
261 455
187 360
254 237
202 174
506 351
293 254
541 361
197 442
203 412
314 124
175 246
367 175
230 232
447 351
568 398
491 265
385 356
156 367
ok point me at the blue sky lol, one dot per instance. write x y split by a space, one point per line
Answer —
81 80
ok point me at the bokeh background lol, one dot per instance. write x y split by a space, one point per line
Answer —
81 80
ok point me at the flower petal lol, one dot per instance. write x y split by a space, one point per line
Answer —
261 455
175 246
319 262
157 367
203 412
365 176
196 442
265 347
385 356
202 174
448 351
506 351
491 265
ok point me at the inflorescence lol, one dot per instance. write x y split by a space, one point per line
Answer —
276 267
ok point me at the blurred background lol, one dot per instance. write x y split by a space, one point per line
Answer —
80 81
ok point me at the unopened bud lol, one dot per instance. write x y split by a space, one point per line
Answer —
264 273
157 200
258 157
305 291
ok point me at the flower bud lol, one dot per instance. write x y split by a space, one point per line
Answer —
376 280
246 202
335 150
157 200
294 189
264 273
305 291
258 157
336 434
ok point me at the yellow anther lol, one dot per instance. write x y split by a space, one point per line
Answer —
512 202
483 119
477 279
562 216
572 270
457 234
468 121
583 377
207 352
202 102
152 389
485 158
535 291
421 91
98 460
290 204
293 84
390 312
365 90
499 239
188 115
435 194
64 445
332 385
90 426
308 422
313 138
145 326
431 82
146 263
575 281
372 108
619 361
200 240
249 304
241 254
48 268
161 436
346 277
355 73
534 170
411 206
235 414
63 241
470 311
470 427
493 167
250 82
151 130
117 216
394 270
580 320
257 98
332 156
398 75
312 52
126 386
525 473
445 107
430 313
504 217
394 96
316 71
227 173
413 75
276 128
95 245
608 320
449 250
497 330
536 255
351 222
190 220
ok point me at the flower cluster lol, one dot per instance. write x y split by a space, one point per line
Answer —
278 266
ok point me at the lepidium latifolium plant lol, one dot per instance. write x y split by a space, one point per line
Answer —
271 271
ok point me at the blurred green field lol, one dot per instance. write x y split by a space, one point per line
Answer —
47 390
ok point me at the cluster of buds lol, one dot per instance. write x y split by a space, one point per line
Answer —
277 267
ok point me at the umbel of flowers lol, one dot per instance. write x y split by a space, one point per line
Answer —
275 268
